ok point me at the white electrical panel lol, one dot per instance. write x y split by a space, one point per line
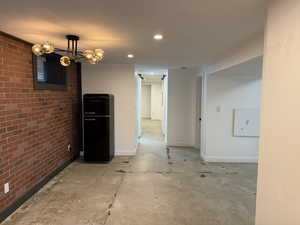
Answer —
246 122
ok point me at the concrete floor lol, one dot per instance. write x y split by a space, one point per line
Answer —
157 187
152 129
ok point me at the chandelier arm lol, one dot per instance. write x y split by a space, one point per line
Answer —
60 50
80 56
67 51
64 50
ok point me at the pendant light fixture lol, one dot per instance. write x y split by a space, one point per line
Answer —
72 53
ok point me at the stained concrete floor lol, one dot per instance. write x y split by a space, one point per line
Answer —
157 187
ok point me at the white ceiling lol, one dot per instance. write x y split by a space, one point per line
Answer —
249 69
195 31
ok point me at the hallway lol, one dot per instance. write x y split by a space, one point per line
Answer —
151 129
157 187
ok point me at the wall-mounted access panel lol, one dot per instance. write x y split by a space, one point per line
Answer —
246 122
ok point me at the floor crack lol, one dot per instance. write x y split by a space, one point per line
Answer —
115 196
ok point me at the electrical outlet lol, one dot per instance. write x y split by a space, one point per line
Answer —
6 188
69 148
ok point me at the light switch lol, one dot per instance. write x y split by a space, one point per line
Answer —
6 188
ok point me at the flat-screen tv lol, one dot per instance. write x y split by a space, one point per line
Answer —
48 73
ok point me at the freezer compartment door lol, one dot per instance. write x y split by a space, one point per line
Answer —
96 106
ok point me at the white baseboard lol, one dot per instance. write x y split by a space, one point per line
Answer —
230 159
125 153
179 144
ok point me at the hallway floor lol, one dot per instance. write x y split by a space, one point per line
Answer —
157 187
152 129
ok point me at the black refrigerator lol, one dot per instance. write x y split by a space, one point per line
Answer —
99 138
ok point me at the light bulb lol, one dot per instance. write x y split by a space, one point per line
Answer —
65 61
98 58
48 47
94 60
37 49
88 54
99 53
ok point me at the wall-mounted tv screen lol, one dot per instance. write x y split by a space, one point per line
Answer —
48 73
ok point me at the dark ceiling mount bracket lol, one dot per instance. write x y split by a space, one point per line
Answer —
163 77
72 39
141 76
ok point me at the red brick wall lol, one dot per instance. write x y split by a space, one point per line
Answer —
35 125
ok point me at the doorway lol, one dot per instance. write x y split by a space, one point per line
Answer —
152 102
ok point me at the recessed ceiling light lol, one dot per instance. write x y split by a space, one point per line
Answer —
130 55
158 37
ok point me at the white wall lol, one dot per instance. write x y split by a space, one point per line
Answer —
118 80
181 107
226 91
156 101
146 101
278 194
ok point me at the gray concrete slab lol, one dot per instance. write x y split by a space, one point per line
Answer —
153 188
